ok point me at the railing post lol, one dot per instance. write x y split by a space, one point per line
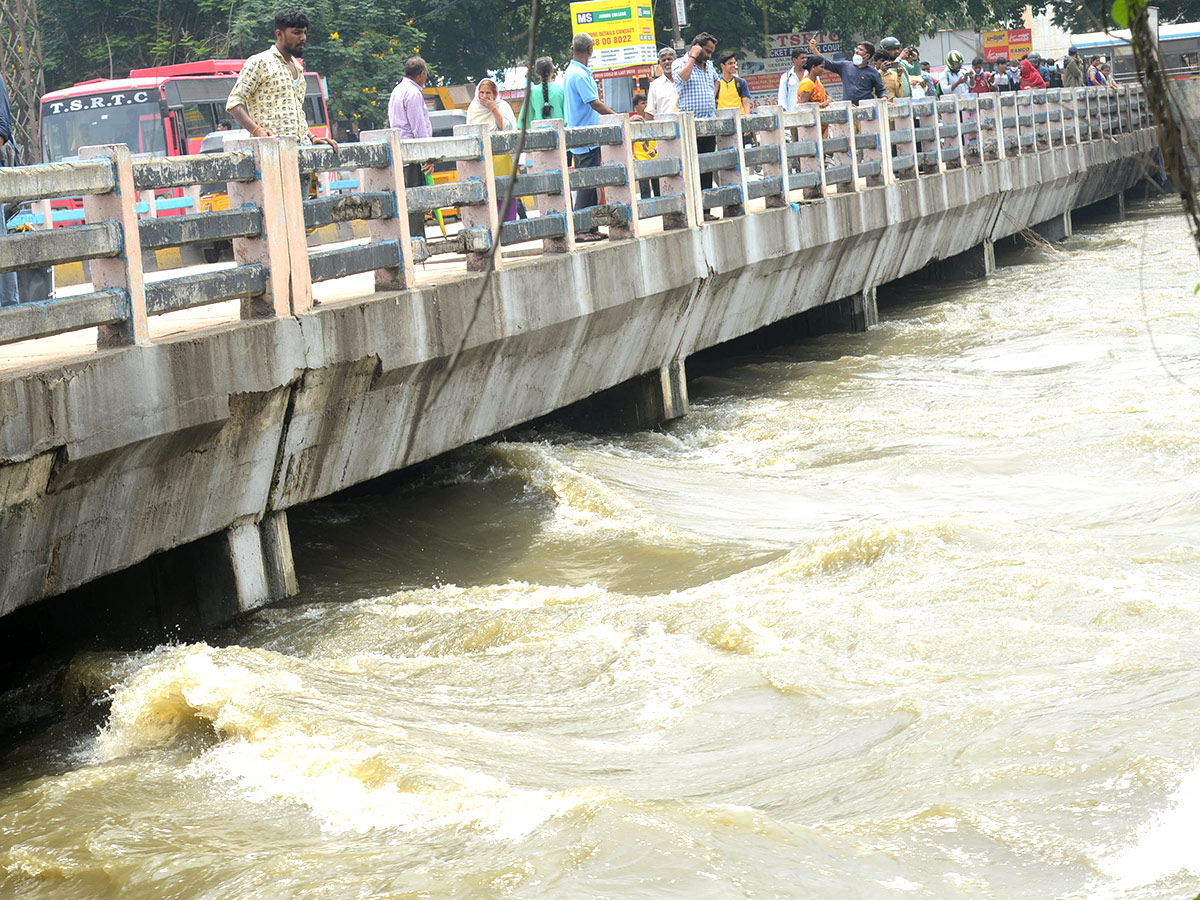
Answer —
390 179
1039 117
1006 125
840 127
487 215
735 177
123 272
779 169
295 193
970 130
901 138
1025 124
876 123
687 182
925 119
947 119
1054 126
626 194
808 128
555 161
1070 123
986 105
149 199
279 199
42 208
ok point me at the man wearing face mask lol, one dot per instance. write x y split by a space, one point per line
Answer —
860 80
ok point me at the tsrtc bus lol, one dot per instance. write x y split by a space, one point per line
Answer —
161 111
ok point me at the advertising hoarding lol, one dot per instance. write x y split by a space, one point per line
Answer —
622 32
762 73
1011 44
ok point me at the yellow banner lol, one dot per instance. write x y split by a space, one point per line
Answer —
622 32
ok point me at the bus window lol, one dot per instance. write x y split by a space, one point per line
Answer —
100 120
198 120
151 135
313 112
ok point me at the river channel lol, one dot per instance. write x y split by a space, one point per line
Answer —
913 613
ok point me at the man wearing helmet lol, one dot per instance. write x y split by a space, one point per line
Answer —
956 79
891 46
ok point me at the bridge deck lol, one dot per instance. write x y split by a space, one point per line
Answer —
205 428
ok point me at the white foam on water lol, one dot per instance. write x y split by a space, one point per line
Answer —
1164 846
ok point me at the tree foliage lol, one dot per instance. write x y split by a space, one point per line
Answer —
360 45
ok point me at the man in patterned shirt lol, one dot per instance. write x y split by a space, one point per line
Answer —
268 98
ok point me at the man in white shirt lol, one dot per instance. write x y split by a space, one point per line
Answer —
955 79
662 97
790 80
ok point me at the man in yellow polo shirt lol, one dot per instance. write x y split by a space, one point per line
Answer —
732 90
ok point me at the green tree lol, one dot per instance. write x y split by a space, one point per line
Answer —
467 39
85 39
359 46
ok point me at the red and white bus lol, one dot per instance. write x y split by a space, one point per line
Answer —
162 111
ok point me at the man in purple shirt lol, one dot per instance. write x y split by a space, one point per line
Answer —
408 114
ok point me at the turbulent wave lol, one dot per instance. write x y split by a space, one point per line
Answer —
906 613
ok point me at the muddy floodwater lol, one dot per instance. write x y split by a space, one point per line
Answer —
906 614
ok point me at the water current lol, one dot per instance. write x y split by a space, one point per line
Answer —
910 613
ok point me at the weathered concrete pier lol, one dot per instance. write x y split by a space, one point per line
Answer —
206 439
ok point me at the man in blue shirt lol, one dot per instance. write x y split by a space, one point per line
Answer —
8 280
583 107
860 80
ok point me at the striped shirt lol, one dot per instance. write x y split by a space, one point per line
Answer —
696 95
272 95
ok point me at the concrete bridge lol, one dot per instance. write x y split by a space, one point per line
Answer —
122 438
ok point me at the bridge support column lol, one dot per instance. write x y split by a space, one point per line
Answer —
1109 209
864 310
660 396
1056 229
978 262
246 566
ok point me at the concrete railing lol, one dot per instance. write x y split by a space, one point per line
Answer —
815 152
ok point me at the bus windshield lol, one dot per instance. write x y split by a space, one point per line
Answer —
125 118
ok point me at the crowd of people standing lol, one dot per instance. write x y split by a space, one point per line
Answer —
693 82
